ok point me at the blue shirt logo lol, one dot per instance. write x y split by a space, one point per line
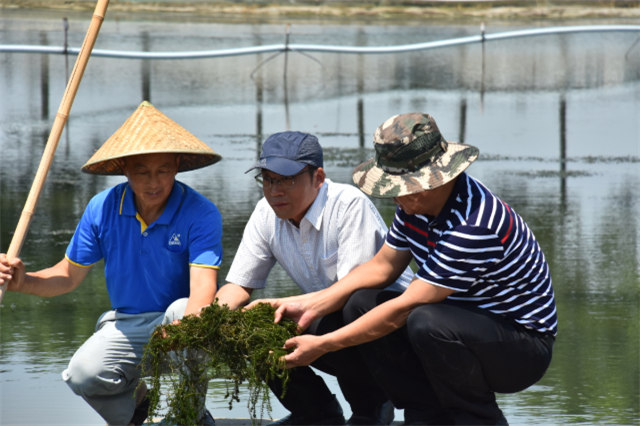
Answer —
174 241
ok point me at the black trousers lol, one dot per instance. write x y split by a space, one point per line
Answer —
307 392
450 359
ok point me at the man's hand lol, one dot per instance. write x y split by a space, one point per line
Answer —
301 314
163 328
308 348
298 308
12 272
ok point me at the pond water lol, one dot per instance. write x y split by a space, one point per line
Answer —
556 119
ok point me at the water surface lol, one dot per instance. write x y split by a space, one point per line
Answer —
555 118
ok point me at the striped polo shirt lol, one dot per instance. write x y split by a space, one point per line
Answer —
481 248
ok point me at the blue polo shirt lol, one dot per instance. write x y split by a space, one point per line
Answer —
147 268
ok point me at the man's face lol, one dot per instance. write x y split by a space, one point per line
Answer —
428 202
291 196
151 177
413 203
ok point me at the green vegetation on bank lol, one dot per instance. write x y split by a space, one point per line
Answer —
380 10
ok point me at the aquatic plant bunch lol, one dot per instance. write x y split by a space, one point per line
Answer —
240 346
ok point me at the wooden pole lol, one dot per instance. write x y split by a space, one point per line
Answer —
54 137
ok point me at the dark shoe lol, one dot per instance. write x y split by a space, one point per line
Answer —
207 419
383 416
420 417
502 421
141 413
331 414
302 420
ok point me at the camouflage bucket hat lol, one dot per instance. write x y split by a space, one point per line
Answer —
411 156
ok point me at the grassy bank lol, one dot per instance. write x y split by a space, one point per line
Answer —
351 10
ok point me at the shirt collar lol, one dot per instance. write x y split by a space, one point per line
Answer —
314 214
128 205
173 204
452 201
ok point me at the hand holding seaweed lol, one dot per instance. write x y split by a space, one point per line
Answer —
237 345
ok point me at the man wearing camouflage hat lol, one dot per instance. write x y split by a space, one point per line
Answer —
479 316
161 243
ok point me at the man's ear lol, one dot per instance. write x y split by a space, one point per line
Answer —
320 177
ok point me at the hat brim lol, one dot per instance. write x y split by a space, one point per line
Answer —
188 161
279 165
149 131
374 181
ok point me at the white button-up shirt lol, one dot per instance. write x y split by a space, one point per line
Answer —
341 230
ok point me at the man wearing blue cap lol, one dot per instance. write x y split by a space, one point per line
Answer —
318 231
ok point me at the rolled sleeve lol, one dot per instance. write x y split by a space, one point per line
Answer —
253 260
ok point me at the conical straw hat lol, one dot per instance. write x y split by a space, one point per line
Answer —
148 131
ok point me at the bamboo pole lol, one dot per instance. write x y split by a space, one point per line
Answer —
54 137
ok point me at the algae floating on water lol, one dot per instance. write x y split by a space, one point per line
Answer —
239 346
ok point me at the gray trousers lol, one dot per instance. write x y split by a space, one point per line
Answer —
105 369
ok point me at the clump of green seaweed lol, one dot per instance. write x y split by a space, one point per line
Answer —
236 345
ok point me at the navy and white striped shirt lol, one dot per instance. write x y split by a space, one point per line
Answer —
480 247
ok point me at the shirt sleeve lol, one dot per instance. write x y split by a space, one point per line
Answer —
254 259
205 243
84 248
396 239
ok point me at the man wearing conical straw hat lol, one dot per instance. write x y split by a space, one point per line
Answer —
161 245
479 316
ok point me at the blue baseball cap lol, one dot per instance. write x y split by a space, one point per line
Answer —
286 153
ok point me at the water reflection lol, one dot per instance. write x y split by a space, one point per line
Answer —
556 120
